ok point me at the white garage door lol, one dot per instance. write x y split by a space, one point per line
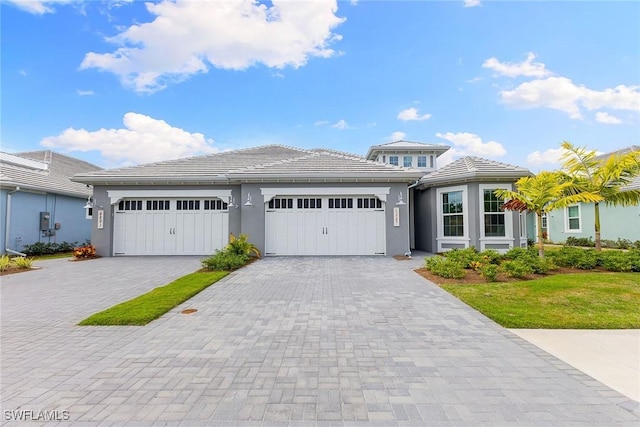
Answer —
325 226
170 226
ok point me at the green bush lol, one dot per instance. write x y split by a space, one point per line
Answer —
542 265
516 268
490 272
634 255
567 256
617 261
624 243
580 241
464 257
491 256
241 246
42 248
517 253
444 267
224 261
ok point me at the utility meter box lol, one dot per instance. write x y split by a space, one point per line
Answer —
45 217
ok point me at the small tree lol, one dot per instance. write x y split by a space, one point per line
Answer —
591 176
541 194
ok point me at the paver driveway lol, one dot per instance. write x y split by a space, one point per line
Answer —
283 340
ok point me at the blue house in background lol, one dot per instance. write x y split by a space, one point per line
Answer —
39 202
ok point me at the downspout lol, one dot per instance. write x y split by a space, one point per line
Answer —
408 253
8 223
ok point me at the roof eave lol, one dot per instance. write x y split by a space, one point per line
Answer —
466 178
151 180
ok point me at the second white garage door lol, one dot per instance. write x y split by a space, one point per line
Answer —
170 226
325 226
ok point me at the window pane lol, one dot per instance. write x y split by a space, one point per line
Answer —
407 161
453 225
393 160
494 225
574 224
422 161
573 211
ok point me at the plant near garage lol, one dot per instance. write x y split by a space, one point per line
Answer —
23 263
444 267
225 261
84 252
5 263
241 246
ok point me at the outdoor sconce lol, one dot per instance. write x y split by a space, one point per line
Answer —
89 203
248 202
400 202
232 202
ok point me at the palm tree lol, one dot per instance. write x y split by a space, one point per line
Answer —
542 193
591 175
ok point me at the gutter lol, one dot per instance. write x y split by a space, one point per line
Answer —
8 223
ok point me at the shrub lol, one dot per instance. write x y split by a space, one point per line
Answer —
567 256
636 244
634 255
491 256
444 267
224 261
618 261
516 268
41 248
490 272
241 246
23 262
517 253
580 241
463 257
542 265
5 262
84 252
624 243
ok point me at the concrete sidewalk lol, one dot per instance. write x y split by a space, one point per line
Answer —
609 356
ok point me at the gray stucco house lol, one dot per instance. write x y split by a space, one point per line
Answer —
289 201
39 202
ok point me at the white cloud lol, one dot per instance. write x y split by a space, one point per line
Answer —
560 93
526 68
85 92
468 144
550 157
321 123
187 37
37 7
396 136
142 140
412 114
341 124
472 3
602 117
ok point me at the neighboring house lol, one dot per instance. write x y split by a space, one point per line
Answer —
288 200
40 203
456 208
578 221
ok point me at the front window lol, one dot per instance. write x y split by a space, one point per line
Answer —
544 220
452 214
422 161
393 160
407 161
494 216
573 218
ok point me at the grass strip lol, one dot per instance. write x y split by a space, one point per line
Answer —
562 301
147 307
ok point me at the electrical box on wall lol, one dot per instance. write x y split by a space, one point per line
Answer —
45 217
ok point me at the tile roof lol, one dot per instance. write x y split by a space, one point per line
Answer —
406 146
44 171
473 168
265 162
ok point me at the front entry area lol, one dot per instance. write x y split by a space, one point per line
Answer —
325 225
170 226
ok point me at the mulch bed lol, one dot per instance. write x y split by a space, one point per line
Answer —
14 270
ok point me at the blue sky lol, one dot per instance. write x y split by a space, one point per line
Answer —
125 82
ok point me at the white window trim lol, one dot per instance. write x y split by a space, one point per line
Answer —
442 239
116 195
566 219
379 192
508 216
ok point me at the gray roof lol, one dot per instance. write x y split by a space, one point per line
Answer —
406 147
469 168
44 171
271 162
635 183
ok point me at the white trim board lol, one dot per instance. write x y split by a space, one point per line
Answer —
116 195
380 192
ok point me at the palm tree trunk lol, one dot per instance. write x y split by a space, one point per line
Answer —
597 223
540 239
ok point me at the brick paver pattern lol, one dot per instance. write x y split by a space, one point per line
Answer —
283 341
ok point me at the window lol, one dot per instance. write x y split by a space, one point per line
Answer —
340 203
431 162
369 203
544 220
452 214
309 203
407 161
157 205
130 205
494 216
573 218
393 160
215 205
188 205
422 161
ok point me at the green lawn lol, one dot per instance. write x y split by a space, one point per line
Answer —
53 256
147 307
561 301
